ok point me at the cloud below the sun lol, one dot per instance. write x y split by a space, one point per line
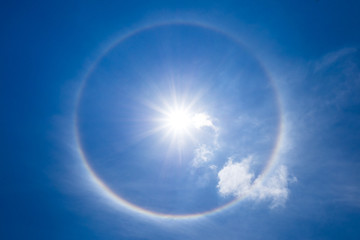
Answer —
203 154
205 150
236 179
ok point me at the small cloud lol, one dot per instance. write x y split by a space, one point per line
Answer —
213 167
237 179
203 154
208 142
202 120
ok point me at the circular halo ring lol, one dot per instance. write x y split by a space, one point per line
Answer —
118 201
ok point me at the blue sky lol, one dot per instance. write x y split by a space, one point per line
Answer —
180 120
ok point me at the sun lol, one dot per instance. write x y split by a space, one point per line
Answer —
178 121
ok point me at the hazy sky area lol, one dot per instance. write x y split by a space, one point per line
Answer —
180 120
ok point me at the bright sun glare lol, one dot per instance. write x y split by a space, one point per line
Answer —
179 120
180 123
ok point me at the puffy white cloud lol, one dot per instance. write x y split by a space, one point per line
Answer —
237 179
275 188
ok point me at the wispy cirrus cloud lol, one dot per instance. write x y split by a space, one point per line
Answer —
332 57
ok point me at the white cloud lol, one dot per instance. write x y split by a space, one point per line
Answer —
203 154
202 120
275 188
213 167
237 179
208 142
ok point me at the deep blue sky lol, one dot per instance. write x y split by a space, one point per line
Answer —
309 48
